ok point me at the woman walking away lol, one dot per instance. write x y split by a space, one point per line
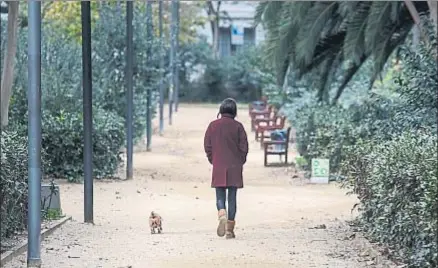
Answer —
226 146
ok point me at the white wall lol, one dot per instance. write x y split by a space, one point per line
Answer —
241 13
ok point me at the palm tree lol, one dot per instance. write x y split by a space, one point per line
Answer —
328 37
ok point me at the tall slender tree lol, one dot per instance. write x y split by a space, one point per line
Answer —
150 39
213 13
173 25
9 62
161 103
177 68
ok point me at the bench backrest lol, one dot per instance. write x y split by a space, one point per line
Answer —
280 121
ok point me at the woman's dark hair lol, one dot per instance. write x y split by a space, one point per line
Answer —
228 106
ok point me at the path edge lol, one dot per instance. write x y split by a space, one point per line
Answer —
21 247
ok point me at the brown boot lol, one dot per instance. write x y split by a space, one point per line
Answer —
222 215
230 230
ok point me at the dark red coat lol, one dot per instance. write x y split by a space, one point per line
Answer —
226 146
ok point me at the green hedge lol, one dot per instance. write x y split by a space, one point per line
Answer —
63 142
13 183
397 184
383 143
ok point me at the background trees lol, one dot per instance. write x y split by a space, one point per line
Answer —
334 39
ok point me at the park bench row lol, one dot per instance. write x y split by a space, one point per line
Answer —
269 128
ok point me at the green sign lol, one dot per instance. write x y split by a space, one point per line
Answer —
320 168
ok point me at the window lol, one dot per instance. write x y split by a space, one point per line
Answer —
249 36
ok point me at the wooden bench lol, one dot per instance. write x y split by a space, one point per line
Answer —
257 106
255 114
269 148
265 127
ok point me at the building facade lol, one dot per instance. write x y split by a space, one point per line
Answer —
236 27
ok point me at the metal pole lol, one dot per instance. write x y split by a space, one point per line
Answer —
129 88
34 134
160 27
172 57
87 97
150 34
177 82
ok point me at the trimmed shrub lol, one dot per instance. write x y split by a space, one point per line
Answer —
63 142
397 184
13 183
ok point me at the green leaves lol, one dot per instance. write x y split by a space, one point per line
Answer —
396 182
354 44
13 183
311 29
307 35
384 146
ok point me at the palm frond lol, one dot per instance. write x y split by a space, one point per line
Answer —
379 13
354 43
326 69
291 17
394 36
260 10
347 7
311 30
329 45
349 73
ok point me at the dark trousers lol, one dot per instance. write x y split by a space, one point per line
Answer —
221 197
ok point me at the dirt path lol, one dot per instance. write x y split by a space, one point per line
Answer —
274 219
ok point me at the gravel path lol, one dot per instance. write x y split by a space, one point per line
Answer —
275 219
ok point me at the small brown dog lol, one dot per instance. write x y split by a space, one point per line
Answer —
155 222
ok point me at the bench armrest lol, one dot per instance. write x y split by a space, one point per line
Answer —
255 112
275 143
269 128
264 120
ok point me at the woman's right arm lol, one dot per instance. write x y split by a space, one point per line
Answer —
243 143
207 145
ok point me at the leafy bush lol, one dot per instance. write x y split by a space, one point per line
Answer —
384 143
242 76
322 132
109 65
63 141
397 184
13 183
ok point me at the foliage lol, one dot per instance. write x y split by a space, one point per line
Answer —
66 17
63 140
109 60
335 38
241 76
62 97
384 145
13 183
322 132
396 182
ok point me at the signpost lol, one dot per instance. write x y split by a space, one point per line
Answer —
237 32
320 171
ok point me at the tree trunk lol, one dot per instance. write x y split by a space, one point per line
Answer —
433 12
9 62
416 17
213 14
216 38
